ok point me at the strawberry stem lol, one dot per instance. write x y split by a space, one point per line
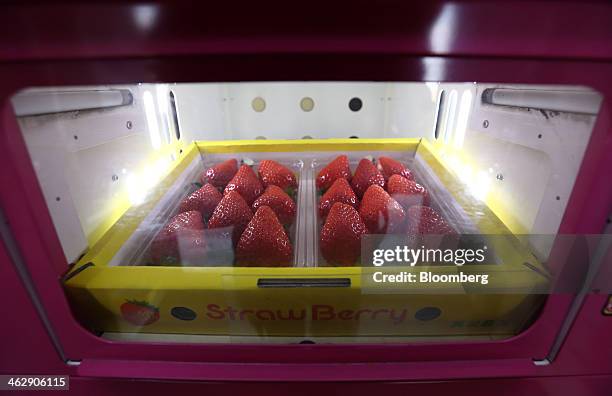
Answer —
143 304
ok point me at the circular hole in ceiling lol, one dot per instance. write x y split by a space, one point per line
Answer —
307 104
355 104
258 104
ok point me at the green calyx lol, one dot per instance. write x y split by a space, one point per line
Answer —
290 191
143 304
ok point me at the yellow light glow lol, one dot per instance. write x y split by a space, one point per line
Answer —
477 182
161 166
136 189
455 163
481 185
466 174
149 176
139 184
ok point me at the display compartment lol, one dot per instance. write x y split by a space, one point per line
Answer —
308 300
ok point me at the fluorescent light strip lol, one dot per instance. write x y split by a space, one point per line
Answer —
152 120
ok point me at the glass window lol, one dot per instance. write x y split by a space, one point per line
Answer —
325 211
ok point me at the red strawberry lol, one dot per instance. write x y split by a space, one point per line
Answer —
220 174
425 220
340 239
204 200
278 200
338 168
428 229
381 213
366 175
180 241
389 167
340 191
407 192
246 183
273 173
191 220
232 211
264 242
139 313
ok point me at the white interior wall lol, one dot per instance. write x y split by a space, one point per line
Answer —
84 159
200 111
224 111
530 158
411 109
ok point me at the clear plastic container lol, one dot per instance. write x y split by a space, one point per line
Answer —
441 199
135 250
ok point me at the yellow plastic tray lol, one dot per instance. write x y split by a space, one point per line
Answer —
230 301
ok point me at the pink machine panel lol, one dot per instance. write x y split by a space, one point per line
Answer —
502 111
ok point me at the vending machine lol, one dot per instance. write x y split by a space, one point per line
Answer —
420 201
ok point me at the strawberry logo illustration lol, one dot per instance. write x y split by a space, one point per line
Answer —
139 313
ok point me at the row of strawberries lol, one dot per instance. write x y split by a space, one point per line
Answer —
249 215
381 198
